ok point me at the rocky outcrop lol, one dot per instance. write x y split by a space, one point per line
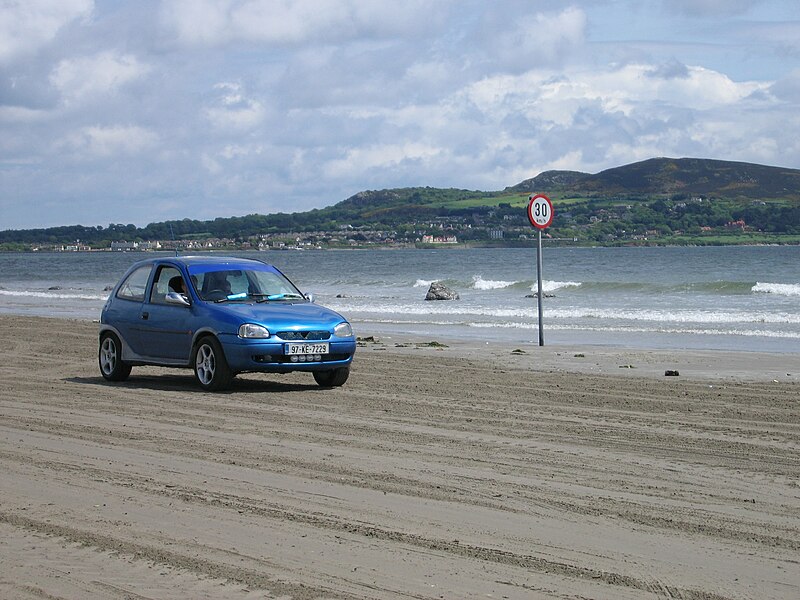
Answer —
439 291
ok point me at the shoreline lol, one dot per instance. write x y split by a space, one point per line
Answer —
529 245
595 359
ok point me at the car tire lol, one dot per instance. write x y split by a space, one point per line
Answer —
332 378
210 366
109 357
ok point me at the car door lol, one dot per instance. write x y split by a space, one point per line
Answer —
166 327
125 312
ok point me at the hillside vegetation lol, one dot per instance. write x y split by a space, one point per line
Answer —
660 200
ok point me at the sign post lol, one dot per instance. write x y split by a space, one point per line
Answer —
540 214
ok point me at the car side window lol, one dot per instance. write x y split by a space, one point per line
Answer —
135 284
162 287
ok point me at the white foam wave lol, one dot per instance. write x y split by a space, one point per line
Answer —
676 316
552 286
479 283
598 314
52 295
424 282
670 330
779 289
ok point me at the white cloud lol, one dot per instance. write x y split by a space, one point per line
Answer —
539 40
233 151
555 98
87 77
295 21
701 88
233 111
210 164
20 114
108 142
287 22
27 25
197 21
379 156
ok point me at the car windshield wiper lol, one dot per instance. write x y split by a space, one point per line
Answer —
231 297
286 296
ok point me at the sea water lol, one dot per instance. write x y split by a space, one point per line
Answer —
743 298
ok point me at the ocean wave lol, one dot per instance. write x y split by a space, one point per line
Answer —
552 286
779 289
675 316
532 326
484 285
646 330
721 288
61 295
424 282
585 313
479 283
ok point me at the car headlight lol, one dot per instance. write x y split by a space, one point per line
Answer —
343 330
251 330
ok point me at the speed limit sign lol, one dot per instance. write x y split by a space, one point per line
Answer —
540 214
540 211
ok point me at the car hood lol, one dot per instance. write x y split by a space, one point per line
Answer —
284 315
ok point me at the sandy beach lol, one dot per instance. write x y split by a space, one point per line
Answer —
444 470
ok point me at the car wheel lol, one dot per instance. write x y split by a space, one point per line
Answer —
112 366
332 378
210 367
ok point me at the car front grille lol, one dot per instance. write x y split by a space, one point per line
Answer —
281 358
293 336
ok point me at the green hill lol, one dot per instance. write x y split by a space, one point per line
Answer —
676 200
669 176
642 181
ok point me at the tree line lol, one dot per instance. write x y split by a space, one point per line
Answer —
590 219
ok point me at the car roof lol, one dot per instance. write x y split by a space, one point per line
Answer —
189 261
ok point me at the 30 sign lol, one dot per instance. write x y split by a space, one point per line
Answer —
540 211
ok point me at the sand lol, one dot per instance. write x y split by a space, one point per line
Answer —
452 472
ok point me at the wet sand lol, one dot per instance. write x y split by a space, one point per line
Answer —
465 471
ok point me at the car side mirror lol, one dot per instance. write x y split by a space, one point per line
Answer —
177 299
309 296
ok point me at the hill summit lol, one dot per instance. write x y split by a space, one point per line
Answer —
696 176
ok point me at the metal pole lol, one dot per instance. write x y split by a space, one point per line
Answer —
539 278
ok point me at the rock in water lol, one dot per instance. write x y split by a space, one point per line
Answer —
439 291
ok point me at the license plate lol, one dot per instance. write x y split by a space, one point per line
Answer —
321 348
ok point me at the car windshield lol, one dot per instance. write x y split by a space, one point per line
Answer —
249 284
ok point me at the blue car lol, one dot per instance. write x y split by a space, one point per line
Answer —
220 316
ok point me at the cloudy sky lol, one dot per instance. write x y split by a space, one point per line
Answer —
135 111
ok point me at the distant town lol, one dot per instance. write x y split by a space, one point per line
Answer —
506 226
318 240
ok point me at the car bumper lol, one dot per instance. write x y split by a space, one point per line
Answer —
249 355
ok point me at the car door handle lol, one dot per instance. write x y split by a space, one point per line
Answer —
145 316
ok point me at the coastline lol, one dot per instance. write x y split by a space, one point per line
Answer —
458 472
530 244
